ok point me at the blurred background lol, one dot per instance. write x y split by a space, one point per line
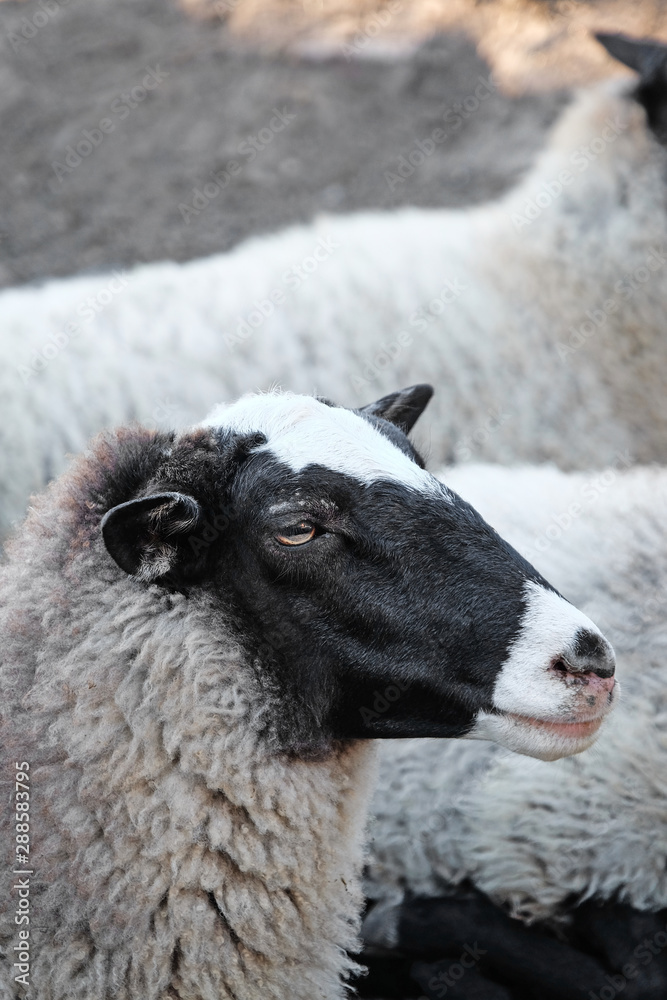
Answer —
117 116
144 130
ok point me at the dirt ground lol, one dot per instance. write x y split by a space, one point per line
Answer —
531 44
114 112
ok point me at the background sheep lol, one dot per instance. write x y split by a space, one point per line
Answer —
541 312
541 839
196 629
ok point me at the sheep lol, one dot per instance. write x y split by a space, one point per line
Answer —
541 312
539 839
603 951
204 633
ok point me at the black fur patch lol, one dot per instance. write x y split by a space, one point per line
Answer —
393 621
464 946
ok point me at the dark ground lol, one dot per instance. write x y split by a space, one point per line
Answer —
120 203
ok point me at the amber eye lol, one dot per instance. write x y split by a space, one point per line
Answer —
297 534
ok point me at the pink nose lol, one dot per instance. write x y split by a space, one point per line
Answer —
596 685
575 677
599 685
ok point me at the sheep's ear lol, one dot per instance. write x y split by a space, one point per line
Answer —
145 536
644 56
402 408
649 59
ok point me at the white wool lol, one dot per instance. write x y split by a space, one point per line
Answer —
543 344
178 850
535 834
530 833
174 851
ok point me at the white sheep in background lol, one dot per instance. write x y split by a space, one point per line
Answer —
539 838
195 631
541 313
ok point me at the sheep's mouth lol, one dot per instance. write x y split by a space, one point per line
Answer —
580 729
545 738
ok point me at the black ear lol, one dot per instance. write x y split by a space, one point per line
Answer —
640 54
402 408
649 59
145 536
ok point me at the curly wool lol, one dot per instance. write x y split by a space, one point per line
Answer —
174 851
532 835
549 348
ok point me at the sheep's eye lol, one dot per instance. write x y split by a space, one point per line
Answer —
297 534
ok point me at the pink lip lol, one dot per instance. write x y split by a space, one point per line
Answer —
571 730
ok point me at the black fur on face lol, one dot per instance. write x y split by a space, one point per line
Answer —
376 609
396 617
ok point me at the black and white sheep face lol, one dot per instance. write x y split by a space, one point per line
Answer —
378 602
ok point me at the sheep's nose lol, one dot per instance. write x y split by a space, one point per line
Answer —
593 654
589 660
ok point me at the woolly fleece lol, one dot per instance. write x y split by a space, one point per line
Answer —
538 836
548 346
175 853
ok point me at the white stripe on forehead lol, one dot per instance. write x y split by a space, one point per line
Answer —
302 431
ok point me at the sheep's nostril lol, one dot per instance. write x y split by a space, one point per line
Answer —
560 667
570 674
596 672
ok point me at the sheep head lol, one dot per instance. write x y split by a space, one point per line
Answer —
376 601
